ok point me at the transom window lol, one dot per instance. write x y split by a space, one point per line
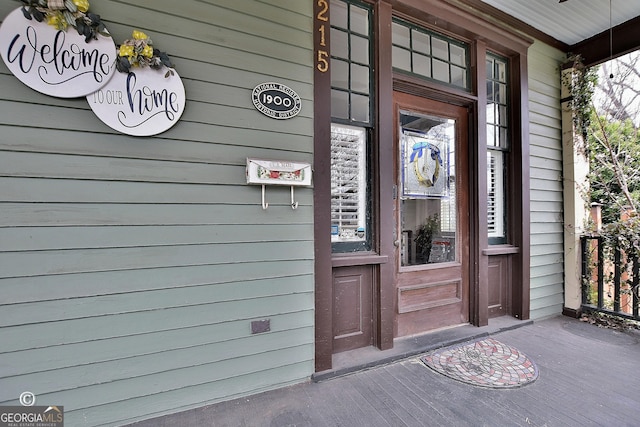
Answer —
430 55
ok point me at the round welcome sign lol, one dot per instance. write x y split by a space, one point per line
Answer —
143 102
276 100
55 62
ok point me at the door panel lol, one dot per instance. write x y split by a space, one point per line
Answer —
498 274
352 308
432 214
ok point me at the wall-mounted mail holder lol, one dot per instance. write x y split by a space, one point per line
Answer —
278 172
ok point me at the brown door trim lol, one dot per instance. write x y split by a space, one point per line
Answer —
485 36
322 197
385 182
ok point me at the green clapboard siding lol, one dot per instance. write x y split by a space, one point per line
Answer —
131 268
546 181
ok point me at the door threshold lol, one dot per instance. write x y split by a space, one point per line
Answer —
364 358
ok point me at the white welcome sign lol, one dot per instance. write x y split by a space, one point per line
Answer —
143 102
55 62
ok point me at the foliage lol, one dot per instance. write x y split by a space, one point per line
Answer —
64 13
581 84
425 234
603 320
613 148
139 52
625 234
614 166
614 154
618 93
612 141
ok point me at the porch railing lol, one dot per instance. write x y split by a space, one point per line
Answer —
610 279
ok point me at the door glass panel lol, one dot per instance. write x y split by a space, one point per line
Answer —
339 104
428 214
338 11
360 108
339 74
421 42
360 21
458 55
339 43
458 77
440 48
400 35
441 71
422 65
359 49
359 78
401 58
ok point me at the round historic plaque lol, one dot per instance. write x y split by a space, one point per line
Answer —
276 100
55 62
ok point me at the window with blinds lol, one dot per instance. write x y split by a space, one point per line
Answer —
348 184
351 114
495 194
497 146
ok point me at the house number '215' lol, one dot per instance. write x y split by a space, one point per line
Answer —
322 62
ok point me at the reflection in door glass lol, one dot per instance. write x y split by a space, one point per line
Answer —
428 189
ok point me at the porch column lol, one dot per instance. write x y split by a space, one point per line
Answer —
576 167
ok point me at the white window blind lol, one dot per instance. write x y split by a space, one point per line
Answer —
348 183
495 194
448 211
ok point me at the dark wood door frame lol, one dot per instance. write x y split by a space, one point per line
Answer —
322 202
483 35
385 176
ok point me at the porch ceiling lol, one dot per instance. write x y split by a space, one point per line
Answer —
571 21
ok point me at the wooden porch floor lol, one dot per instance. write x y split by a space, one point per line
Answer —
587 377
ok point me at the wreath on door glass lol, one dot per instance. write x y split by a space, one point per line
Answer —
426 166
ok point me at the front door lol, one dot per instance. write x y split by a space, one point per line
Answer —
432 214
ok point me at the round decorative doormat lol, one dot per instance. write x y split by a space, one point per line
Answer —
484 363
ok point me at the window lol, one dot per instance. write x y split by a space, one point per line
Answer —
497 146
428 211
351 112
350 62
429 55
495 196
348 184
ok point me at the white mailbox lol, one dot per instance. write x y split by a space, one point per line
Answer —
278 172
